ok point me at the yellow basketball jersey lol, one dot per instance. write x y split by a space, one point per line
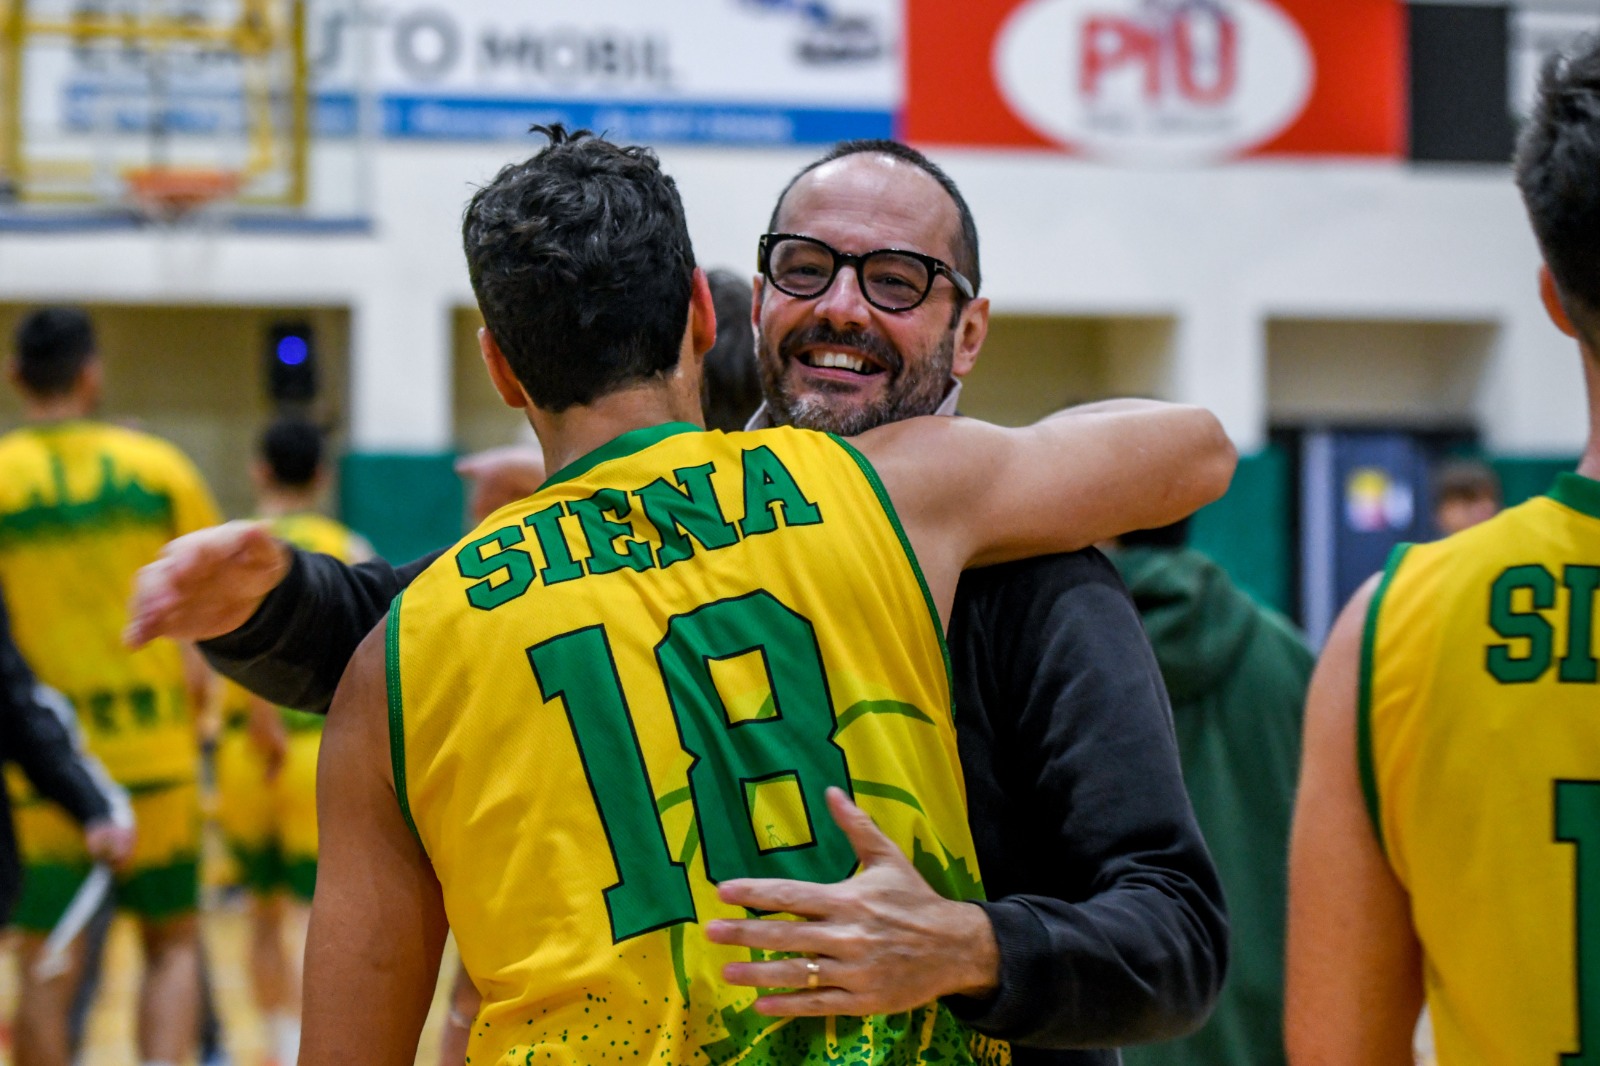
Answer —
83 505
638 683
312 532
1480 759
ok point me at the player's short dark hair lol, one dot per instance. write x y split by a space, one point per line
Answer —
965 244
1558 158
731 389
292 449
1466 480
53 345
581 261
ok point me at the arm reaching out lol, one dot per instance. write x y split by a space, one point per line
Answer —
206 583
367 989
971 494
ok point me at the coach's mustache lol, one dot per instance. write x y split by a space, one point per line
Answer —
871 345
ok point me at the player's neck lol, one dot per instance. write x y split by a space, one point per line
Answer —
56 408
1589 465
276 503
577 431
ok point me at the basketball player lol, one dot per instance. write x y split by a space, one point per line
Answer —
660 672
267 756
84 504
1447 840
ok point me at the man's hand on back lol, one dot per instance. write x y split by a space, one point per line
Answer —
206 584
882 942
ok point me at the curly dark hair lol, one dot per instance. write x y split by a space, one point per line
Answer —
1558 159
581 261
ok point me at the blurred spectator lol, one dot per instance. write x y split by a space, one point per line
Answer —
1465 492
1236 673
731 390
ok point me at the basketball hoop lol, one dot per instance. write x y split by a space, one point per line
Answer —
167 194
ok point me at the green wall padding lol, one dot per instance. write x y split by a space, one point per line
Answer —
1524 478
407 505
1248 530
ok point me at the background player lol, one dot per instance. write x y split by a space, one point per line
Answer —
267 756
1447 838
84 504
632 368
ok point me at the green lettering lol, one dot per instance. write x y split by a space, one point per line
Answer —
99 706
143 702
1579 664
515 564
546 526
1528 625
602 533
681 513
766 482
1577 821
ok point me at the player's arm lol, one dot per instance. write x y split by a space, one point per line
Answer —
970 493
377 920
1354 968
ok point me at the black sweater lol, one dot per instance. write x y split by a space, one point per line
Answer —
1106 906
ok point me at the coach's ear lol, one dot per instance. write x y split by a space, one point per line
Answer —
1551 294
500 373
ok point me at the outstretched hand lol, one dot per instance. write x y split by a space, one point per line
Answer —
882 942
206 583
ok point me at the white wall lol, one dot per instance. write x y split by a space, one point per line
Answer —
1205 259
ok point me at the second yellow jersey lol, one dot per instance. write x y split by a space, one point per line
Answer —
638 683
1480 758
312 532
83 505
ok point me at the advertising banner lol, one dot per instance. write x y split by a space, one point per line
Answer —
751 72
1159 82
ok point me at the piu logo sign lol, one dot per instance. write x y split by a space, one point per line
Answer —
1158 82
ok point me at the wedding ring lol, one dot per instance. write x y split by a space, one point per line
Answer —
813 972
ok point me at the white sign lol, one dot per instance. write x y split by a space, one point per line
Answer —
1159 82
728 71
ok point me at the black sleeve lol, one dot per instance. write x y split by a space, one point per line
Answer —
1106 906
294 649
35 739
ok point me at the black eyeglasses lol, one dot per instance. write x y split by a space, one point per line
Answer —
891 279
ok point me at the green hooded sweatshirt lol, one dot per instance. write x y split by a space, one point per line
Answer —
1237 674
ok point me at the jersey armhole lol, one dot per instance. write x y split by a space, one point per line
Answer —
871 474
1365 761
397 721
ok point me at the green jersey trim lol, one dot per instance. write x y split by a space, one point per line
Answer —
1369 643
397 718
1577 492
635 440
871 475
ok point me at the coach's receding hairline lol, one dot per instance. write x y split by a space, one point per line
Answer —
952 235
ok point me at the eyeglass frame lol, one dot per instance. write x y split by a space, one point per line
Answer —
934 265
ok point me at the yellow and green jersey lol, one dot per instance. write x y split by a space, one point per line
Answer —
83 505
312 532
1480 759
638 683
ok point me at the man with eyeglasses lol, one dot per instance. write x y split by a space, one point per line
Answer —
1106 924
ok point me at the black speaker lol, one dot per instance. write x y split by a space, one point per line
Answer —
291 357
1460 83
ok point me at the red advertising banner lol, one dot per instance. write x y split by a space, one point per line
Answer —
1159 82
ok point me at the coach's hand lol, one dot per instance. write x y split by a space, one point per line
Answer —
206 583
882 942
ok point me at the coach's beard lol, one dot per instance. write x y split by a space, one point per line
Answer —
914 386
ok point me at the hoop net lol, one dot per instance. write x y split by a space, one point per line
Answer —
167 194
